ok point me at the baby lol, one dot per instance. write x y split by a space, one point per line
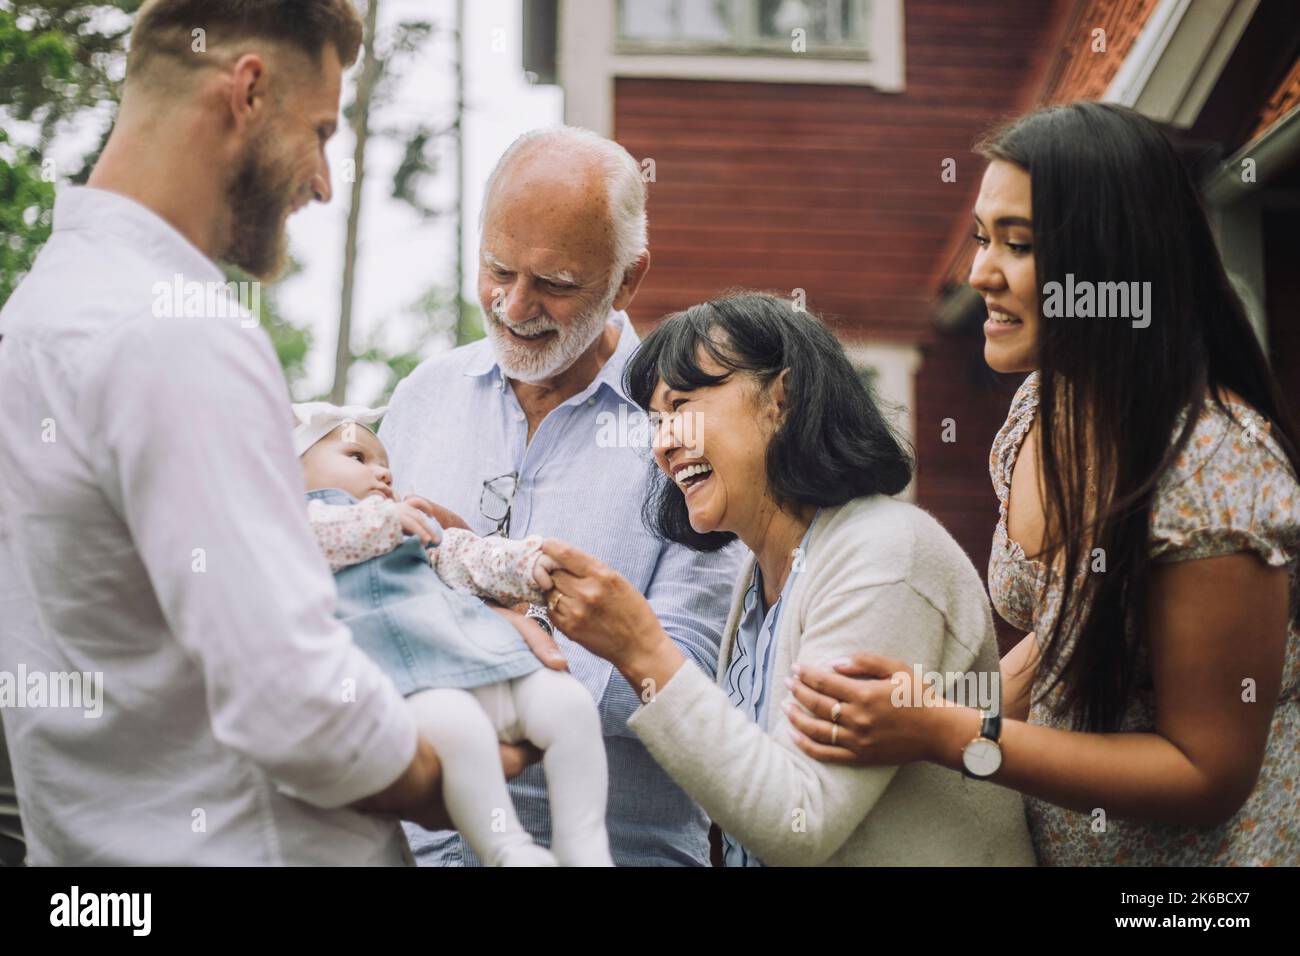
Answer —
412 592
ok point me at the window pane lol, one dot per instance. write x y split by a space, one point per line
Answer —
705 19
831 22
646 19
691 20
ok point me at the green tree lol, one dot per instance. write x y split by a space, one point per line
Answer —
59 61
60 58
431 321
292 343
26 201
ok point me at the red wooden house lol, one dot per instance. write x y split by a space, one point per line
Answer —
824 146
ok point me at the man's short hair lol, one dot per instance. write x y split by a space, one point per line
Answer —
625 188
169 29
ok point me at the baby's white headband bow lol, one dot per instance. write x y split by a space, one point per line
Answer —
318 419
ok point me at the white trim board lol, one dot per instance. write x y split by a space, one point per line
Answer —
1178 58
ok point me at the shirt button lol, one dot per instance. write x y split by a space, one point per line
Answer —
591 401
519 416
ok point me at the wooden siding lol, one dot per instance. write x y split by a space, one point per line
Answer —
1074 72
837 190
832 189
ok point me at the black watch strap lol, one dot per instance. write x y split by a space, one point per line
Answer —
991 725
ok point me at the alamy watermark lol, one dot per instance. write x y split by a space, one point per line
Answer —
1100 300
981 690
75 908
638 429
70 690
192 299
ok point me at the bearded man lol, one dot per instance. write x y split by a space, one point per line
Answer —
152 528
507 431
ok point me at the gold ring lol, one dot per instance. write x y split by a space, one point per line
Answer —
554 603
835 712
835 732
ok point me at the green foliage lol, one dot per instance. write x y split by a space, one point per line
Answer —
59 58
418 163
26 204
432 320
292 343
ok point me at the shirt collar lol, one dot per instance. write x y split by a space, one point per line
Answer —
87 209
755 579
485 362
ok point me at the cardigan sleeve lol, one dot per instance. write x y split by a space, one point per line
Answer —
783 805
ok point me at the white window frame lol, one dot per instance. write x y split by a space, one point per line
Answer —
746 40
589 59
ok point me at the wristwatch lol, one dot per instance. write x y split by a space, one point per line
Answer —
983 756
537 612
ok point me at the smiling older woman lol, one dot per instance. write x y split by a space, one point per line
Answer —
798 464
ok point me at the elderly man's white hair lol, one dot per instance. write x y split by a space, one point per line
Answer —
623 182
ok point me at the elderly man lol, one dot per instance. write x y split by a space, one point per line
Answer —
505 432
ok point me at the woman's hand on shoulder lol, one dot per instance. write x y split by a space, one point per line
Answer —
883 719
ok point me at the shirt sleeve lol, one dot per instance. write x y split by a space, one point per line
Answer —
690 593
350 534
191 442
497 569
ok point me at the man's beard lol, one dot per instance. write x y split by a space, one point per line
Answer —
259 198
534 365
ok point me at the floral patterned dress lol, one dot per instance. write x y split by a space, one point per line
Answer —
1231 490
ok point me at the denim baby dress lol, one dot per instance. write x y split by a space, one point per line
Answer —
421 632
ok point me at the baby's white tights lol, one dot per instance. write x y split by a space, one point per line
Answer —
553 711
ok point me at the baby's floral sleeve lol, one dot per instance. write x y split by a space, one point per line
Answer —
350 534
498 569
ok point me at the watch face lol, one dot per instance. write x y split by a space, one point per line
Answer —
982 757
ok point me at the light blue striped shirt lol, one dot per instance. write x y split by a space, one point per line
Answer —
455 423
748 681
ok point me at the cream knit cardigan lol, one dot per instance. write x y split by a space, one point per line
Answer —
883 576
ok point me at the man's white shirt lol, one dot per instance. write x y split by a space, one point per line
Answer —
153 531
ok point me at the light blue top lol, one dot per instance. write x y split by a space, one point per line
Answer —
747 682
454 423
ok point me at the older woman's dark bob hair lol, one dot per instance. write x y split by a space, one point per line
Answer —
833 444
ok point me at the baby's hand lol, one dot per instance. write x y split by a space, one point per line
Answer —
542 571
413 523
444 516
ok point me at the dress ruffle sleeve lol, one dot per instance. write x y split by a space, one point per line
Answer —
1230 490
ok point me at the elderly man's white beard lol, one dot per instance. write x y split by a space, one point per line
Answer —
537 365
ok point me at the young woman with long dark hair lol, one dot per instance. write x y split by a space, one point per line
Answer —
1149 530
